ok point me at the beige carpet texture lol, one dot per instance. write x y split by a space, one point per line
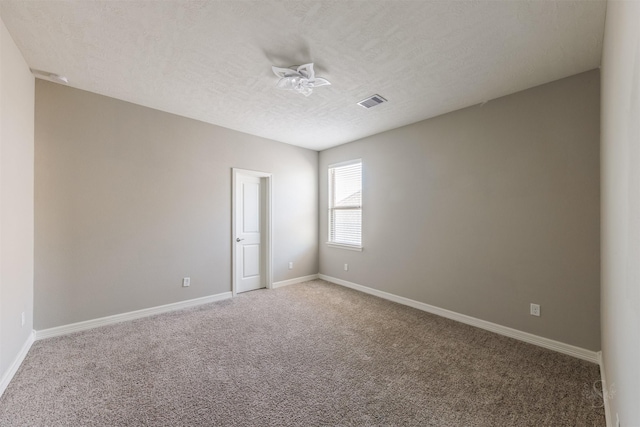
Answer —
312 354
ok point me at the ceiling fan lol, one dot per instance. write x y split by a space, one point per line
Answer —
301 79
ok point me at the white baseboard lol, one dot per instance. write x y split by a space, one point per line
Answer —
605 390
8 376
294 281
580 353
117 318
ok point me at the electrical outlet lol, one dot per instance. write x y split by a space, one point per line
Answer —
186 282
535 310
290 265
23 319
346 267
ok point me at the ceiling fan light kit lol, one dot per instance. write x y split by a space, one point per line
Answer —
301 79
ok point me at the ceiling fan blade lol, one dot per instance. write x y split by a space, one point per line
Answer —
319 81
283 72
306 70
285 83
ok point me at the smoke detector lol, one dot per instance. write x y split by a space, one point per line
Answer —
50 76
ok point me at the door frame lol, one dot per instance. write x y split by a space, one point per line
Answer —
266 207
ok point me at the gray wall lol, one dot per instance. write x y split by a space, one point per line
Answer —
621 210
16 201
129 200
485 210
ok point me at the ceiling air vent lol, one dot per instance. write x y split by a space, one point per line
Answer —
372 101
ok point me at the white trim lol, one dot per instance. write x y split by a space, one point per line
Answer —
347 247
605 388
269 230
580 353
294 281
8 376
345 163
131 315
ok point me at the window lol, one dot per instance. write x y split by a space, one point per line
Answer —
345 205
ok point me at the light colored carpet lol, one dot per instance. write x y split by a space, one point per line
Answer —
313 354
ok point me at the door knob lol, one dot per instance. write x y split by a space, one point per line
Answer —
239 239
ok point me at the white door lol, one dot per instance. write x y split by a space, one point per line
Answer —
248 272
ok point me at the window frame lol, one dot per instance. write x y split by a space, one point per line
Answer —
331 208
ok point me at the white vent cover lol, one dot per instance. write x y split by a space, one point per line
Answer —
372 101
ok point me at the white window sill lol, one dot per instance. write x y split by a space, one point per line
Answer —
347 247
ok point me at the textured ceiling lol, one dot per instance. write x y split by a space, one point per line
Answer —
212 60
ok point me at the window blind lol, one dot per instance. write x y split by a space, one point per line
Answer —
345 204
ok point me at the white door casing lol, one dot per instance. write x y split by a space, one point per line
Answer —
251 227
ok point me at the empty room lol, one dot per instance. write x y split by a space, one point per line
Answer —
314 212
